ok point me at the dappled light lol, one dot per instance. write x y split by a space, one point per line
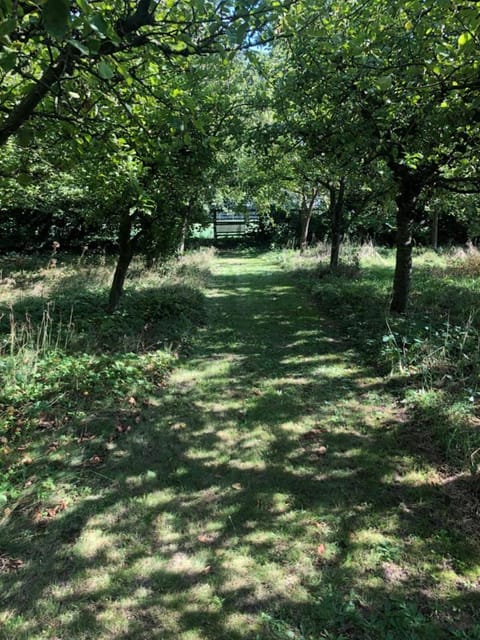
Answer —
263 492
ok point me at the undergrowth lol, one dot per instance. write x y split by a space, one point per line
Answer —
64 360
433 352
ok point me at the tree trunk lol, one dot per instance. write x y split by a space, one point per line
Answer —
304 224
125 255
434 237
215 234
306 217
337 202
65 62
183 231
406 204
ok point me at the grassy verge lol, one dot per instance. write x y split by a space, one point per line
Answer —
73 377
432 353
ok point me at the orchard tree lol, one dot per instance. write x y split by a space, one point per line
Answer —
47 44
402 79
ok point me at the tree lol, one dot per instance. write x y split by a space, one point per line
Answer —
402 78
45 46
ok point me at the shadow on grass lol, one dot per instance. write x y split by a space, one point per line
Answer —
262 495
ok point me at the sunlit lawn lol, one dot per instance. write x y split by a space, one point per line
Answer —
266 492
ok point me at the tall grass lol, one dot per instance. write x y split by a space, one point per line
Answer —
64 360
433 352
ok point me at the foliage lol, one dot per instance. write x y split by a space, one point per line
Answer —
433 352
266 491
62 358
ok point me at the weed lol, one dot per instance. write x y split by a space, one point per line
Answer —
62 357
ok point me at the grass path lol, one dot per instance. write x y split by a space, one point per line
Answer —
264 495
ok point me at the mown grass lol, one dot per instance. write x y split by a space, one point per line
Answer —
264 494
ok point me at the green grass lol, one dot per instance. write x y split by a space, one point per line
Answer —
264 493
432 352
73 377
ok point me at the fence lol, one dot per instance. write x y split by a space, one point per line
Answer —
233 225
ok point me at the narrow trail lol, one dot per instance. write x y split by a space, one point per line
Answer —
263 497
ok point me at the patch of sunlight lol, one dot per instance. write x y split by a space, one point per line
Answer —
115 619
280 502
204 599
281 583
184 564
354 452
139 480
248 465
228 436
420 477
147 566
93 541
260 537
218 409
142 593
306 333
368 537
165 529
301 359
94 581
236 623
298 427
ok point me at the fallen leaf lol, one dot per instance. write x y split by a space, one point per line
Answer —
237 486
8 564
123 428
312 434
53 511
95 460
26 460
207 569
321 451
205 538
132 401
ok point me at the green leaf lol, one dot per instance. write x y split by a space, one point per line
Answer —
83 5
80 46
464 39
8 61
24 136
56 18
105 70
24 179
7 26
5 8
385 82
98 24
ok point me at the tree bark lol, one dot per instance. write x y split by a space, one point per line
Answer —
184 230
306 213
409 190
304 224
125 255
434 237
337 203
